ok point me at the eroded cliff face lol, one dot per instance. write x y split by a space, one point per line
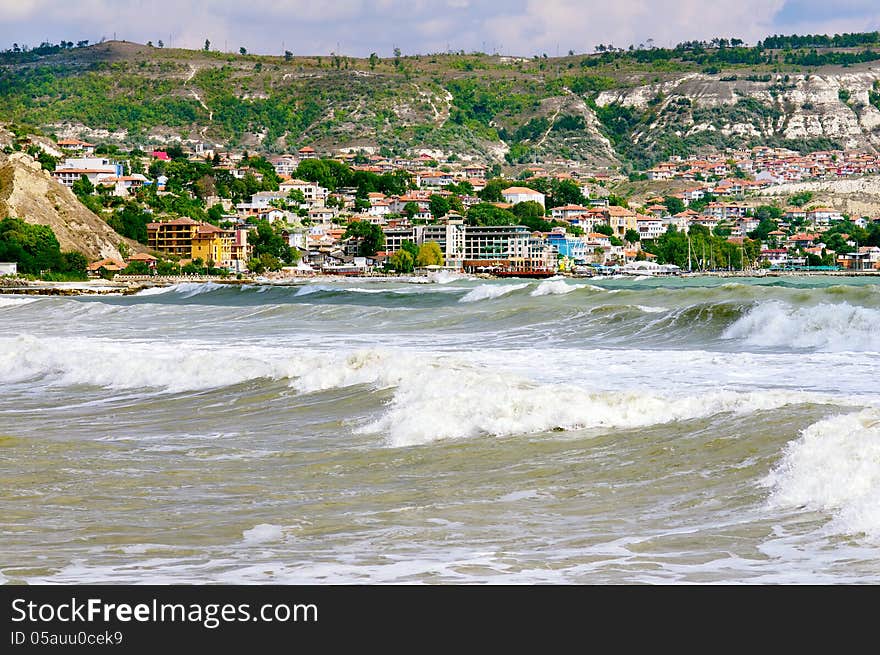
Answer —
30 193
835 106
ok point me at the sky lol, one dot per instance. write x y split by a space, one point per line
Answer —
359 27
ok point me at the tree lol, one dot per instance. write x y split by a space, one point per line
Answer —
33 247
411 248
801 198
410 209
242 50
370 237
674 205
297 197
631 236
131 221
215 214
531 214
429 254
265 262
374 59
288 55
566 192
207 45
401 261
268 240
167 267
439 205
492 191
136 268
74 263
486 213
604 228
83 187
160 44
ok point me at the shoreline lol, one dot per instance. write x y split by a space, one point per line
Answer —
14 286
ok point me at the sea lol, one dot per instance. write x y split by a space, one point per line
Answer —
444 430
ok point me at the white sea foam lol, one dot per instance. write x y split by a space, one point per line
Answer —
156 291
134 365
447 400
834 467
445 277
828 327
651 310
435 397
15 301
555 286
185 289
263 533
489 291
309 289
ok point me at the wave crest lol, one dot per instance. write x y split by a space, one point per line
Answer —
834 467
827 326
489 291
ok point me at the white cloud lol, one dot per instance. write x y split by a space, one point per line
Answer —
521 27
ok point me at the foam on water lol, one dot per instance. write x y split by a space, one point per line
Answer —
489 291
185 289
15 301
445 277
555 287
134 365
450 403
435 396
263 533
827 327
834 467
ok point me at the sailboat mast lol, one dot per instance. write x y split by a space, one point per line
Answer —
690 268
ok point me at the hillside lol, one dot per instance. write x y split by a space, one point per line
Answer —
604 110
856 197
30 193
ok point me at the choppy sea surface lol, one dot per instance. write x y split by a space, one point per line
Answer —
602 431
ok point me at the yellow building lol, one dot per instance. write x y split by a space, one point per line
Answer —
213 244
172 237
186 238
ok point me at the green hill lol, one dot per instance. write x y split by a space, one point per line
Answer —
610 108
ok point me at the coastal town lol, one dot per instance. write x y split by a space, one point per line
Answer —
200 208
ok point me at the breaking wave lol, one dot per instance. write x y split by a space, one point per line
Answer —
555 287
489 291
830 327
15 301
434 397
834 467
184 289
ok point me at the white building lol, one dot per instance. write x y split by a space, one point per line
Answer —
72 169
566 212
650 227
8 268
313 192
517 194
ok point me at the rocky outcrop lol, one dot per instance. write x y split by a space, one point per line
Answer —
30 193
858 196
829 105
